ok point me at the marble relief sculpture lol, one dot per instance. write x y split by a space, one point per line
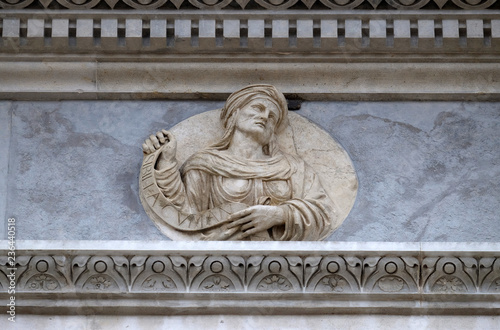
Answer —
242 187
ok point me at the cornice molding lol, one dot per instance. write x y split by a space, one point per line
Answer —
201 79
313 55
133 278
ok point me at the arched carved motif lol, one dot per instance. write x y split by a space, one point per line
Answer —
15 4
474 4
341 4
407 4
78 4
210 4
145 4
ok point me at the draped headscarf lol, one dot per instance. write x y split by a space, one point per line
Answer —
241 98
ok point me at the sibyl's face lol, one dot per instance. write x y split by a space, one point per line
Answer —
258 119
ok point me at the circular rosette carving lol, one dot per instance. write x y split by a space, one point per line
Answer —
474 4
42 282
276 4
391 284
407 4
78 4
15 4
342 4
145 4
210 4
100 283
449 284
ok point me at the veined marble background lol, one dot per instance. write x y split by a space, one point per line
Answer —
428 171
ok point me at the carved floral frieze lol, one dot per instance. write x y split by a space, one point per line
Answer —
184 278
329 273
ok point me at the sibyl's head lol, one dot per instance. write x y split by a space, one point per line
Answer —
242 99
244 96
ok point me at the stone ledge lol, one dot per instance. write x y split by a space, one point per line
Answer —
217 79
131 277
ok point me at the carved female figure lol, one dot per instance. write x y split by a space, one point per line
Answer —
264 193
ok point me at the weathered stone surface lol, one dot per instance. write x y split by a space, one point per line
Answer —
75 167
5 116
353 322
427 171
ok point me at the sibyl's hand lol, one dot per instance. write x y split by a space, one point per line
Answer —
164 141
256 219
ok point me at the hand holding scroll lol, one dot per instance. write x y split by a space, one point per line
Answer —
164 141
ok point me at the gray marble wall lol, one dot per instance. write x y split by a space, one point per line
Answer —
427 171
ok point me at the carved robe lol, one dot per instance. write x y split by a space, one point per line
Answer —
213 177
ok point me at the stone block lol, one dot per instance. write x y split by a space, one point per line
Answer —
206 34
182 34
329 34
378 33
256 33
109 33
35 33
158 33
426 34
495 33
60 34
475 33
11 33
5 133
451 36
133 33
231 33
280 34
84 33
353 34
402 34
305 35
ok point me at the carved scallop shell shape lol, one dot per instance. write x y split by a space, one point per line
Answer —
341 4
78 4
145 4
15 4
407 4
473 4
276 4
210 4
